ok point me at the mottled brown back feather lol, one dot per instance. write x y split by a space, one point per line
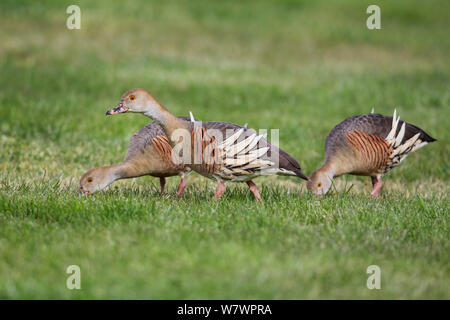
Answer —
285 161
375 124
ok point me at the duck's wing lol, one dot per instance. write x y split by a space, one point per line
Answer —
234 152
143 139
151 138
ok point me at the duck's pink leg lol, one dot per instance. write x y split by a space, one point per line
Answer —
181 186
376 184
220 190
254 190
162 182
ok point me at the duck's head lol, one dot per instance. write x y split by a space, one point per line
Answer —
319 183
140 101
95 179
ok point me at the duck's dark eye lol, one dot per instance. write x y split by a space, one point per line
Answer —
132 98
90 180
319 184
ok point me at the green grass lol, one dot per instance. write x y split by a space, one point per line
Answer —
300 66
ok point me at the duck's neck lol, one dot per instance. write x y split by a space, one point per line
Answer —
168 121
328 170
123 170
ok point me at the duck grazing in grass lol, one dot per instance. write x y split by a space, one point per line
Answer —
149 153
367 145
218 150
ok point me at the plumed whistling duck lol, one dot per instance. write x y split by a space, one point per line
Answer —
367 145
218 150
149 153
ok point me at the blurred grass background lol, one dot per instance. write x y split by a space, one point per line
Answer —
300 66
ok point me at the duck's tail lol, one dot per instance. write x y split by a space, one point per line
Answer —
289 164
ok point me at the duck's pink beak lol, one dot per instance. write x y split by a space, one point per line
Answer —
83 192
120 108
